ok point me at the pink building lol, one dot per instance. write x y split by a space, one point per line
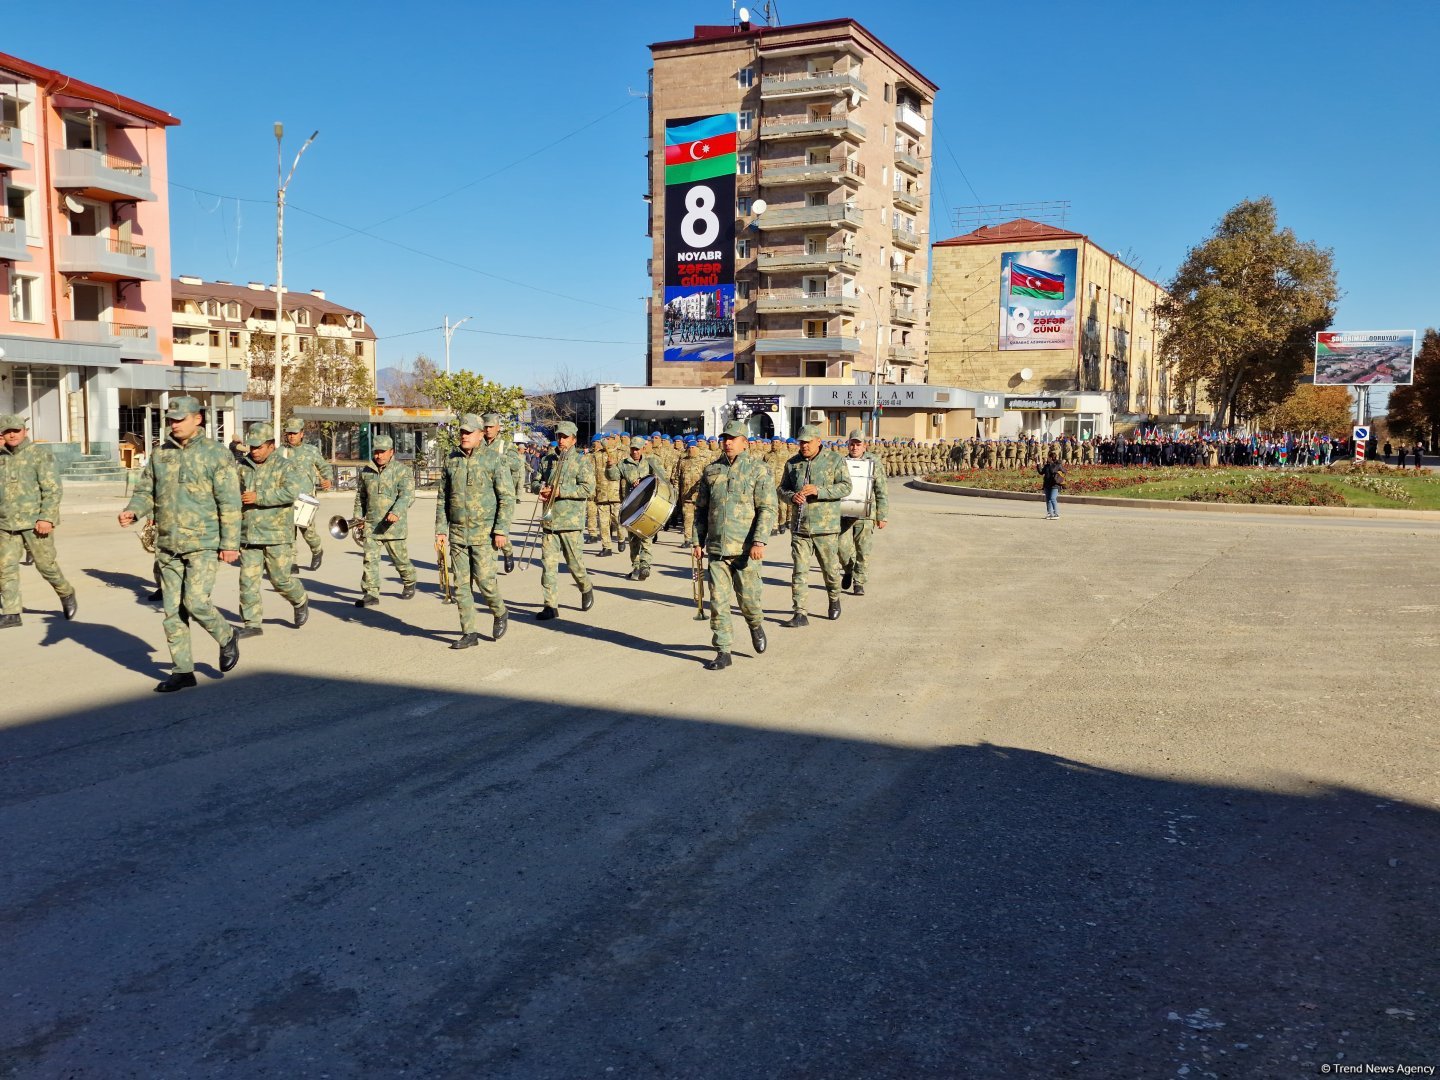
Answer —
85 254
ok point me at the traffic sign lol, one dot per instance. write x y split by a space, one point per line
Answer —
1362 436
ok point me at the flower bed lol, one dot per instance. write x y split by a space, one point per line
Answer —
1270 490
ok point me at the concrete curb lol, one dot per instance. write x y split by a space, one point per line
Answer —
1208 508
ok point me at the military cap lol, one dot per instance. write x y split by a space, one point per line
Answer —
598 437
294 426
856 436
181 407
381 442
656 435
12 422
637 443
259 434
469 422
809 431
491 419
790 442
735 427
565 427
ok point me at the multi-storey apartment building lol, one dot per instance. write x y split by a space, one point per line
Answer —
85 254
214 323
833 140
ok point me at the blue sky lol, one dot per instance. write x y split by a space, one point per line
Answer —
511 193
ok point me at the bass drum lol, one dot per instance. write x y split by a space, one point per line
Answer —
860 503
647 508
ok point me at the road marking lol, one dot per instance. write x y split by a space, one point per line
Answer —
499 674
425 708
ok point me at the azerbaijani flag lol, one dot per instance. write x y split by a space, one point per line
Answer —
700 149
1040 284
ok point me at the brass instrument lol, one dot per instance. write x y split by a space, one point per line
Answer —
148 532
697 585
442 563
340 527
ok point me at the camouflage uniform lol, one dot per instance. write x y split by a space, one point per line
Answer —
816 532
778 456
631 473
379 493
686 481
734 509
474 504
192 492
267 533
605 472
573 484
857 534
312 468
510 459
29 492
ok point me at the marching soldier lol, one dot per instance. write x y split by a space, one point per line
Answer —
473 509
190 488
780 452
316 473
510 458
269 486
564 489
735 513
634 469
29 511
815 481
605 473
686 480
384 492
856 533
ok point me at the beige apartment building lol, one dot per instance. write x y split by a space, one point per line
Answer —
834 140
213 322
1115 331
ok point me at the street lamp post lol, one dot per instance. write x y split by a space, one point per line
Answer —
282 182
874 424
449 333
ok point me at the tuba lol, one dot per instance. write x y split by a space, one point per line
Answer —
340 526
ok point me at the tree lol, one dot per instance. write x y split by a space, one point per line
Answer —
546 408
325 375
1327 410
467 392
1414 410
401 387
1243 311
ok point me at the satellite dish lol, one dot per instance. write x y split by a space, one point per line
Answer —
854 99
744 15
74 205
1025 374
759 206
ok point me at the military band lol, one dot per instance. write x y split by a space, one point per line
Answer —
565 488
383 494
314 472
473 510
815 481
856 534
269 486
634 469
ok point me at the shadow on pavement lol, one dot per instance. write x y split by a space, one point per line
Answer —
376 880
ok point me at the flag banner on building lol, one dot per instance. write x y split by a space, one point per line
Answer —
700 239
1364 357
1037 299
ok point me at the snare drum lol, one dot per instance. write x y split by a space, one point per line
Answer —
306 507
647 508
860 503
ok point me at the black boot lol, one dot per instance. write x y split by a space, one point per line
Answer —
7 621
502 623
798 619
177 681
230 653
368 601
546 613
316 558
467 641
859 590
67 605
249 631
834 609
847 579
302 614
757 639
587 599
408 591
645 573
720 663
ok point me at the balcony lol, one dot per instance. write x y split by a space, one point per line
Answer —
833 214
102 175
798 301
903 313
106 257
805 346
904 277
906 239
837 258
136 342
908 158
902 354
12 241
801 127
833 172
909 118
12 153
912 201
797 84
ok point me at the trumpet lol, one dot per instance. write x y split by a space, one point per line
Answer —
147 536
442 563
355 528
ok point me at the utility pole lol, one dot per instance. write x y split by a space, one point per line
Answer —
281 183
449 333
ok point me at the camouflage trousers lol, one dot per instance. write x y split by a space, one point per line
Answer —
186 582
552 546
824 550
399 555
272 561
606 516
312 540
855 547
782 511
472 570
42 550
591 517
640 551
732 579
687 521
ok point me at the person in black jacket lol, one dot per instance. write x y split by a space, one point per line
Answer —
1052 476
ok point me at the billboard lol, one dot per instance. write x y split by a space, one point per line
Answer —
1037 299
1360 357
699 319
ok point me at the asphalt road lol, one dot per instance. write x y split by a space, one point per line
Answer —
1127 794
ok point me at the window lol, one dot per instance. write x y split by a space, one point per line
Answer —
815 245
742 290
178 306
747 119
895 220
302 317
232 312
17 201
212 308
742 205
816 198
22 298
742 248
10 107
742 328
359 348
234 339
887 91
816 328
837 423
815 369
214 339
745 78
745 163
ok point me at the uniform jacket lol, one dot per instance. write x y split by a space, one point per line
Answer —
276 484
573 478
476 500
310 465
29 487
606 467
510 458
735 507
686 478
821 513
193 494
632 472
379 492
